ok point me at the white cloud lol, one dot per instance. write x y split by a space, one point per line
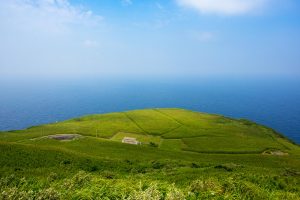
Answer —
51 16
224 7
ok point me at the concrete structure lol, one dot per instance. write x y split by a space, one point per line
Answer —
129 140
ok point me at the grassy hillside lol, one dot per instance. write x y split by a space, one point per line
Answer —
182 155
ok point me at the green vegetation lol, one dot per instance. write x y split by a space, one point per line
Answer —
171 144
182 155
145 139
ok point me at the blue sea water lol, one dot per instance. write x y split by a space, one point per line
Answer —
275 103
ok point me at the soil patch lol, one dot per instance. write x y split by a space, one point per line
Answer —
275 153
65 137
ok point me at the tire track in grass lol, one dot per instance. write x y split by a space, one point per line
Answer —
168 131
168 116
274 137
195 136
133 121
173 119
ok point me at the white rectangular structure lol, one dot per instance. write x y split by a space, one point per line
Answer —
129 140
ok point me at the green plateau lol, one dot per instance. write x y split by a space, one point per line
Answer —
177 154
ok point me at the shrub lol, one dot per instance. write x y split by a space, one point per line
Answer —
48 194
246 122
152 144
210 186
251 191
108 174
52 177
284 195
15 193
195 165
151 193
228 167
66 162
157 165
175 194
93 168
139 169
79 180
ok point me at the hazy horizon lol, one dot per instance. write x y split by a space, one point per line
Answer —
64 58
180 38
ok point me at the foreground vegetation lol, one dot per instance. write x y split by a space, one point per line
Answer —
183 155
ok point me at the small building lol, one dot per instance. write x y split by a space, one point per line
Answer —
129 140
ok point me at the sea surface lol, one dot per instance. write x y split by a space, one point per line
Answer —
272 102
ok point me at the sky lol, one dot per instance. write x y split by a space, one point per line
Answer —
149 38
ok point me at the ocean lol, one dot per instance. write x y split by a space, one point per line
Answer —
273 102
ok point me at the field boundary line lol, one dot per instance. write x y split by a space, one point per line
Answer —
133 121
168 116
168 131
196 136
223 152
274 138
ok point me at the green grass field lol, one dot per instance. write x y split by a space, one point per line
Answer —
182 155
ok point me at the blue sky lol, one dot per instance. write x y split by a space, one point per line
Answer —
70 38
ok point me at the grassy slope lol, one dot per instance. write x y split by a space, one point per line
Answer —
180 134
197 131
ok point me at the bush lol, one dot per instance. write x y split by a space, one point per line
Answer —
195 165
285 195
206 186
93 168
246 122
157 165
15 193
174 194
108 174
48 194
52 177
228 167
152 144
79 180
151 193
251 191
66 162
